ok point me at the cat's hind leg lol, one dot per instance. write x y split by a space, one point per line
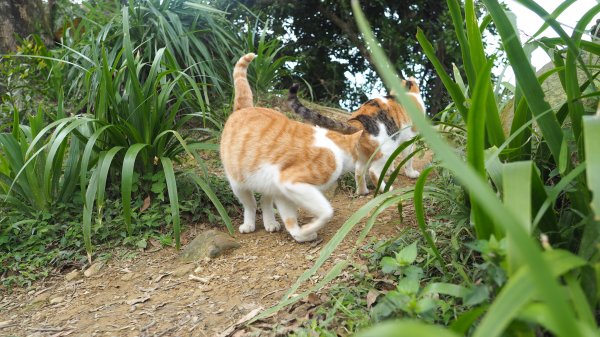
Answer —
289 215
375 171
409 170
310 198
266 204
361 179
247 199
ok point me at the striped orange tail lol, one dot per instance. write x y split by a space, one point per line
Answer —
243 93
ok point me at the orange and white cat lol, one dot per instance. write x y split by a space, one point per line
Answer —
385 123
288 162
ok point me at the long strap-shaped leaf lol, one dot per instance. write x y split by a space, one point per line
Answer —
526 77
173 198
127 181
484 226
420 215
591 130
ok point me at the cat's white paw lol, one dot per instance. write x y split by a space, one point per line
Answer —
384 186
362 192
413 174
247 228
305 237
272 226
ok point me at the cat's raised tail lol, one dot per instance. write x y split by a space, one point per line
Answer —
243 93
315 117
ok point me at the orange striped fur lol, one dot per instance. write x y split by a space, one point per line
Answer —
288 162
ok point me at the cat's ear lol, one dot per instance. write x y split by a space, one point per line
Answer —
412 85
356 136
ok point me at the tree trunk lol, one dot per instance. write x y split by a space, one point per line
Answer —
21 18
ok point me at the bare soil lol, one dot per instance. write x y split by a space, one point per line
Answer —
153 293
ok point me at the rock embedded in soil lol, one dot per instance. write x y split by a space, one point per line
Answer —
183 270
41 298
128 276
57 299
209 244
74 275
94 269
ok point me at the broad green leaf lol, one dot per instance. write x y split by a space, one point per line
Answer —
409 285
407 255
466 320
406 328
445 289
389 265
476 295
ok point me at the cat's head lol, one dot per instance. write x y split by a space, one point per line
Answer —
411 85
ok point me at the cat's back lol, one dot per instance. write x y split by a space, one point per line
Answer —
254 137
378 112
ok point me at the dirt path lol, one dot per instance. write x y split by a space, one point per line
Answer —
152 294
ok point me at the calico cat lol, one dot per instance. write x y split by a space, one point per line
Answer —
385 123
288 162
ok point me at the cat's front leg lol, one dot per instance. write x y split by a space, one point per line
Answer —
247 199
361 179
409 170
375 172
266 204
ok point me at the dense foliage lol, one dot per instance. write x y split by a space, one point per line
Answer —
325 43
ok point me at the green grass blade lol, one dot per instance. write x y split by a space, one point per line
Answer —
455 12
453 88
561 8
55 145
88 207
127 181
173 198
87 154
466 320
484 227
103 167
591 132
516 178
480 64
333 273
215 200
420 215
572 89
